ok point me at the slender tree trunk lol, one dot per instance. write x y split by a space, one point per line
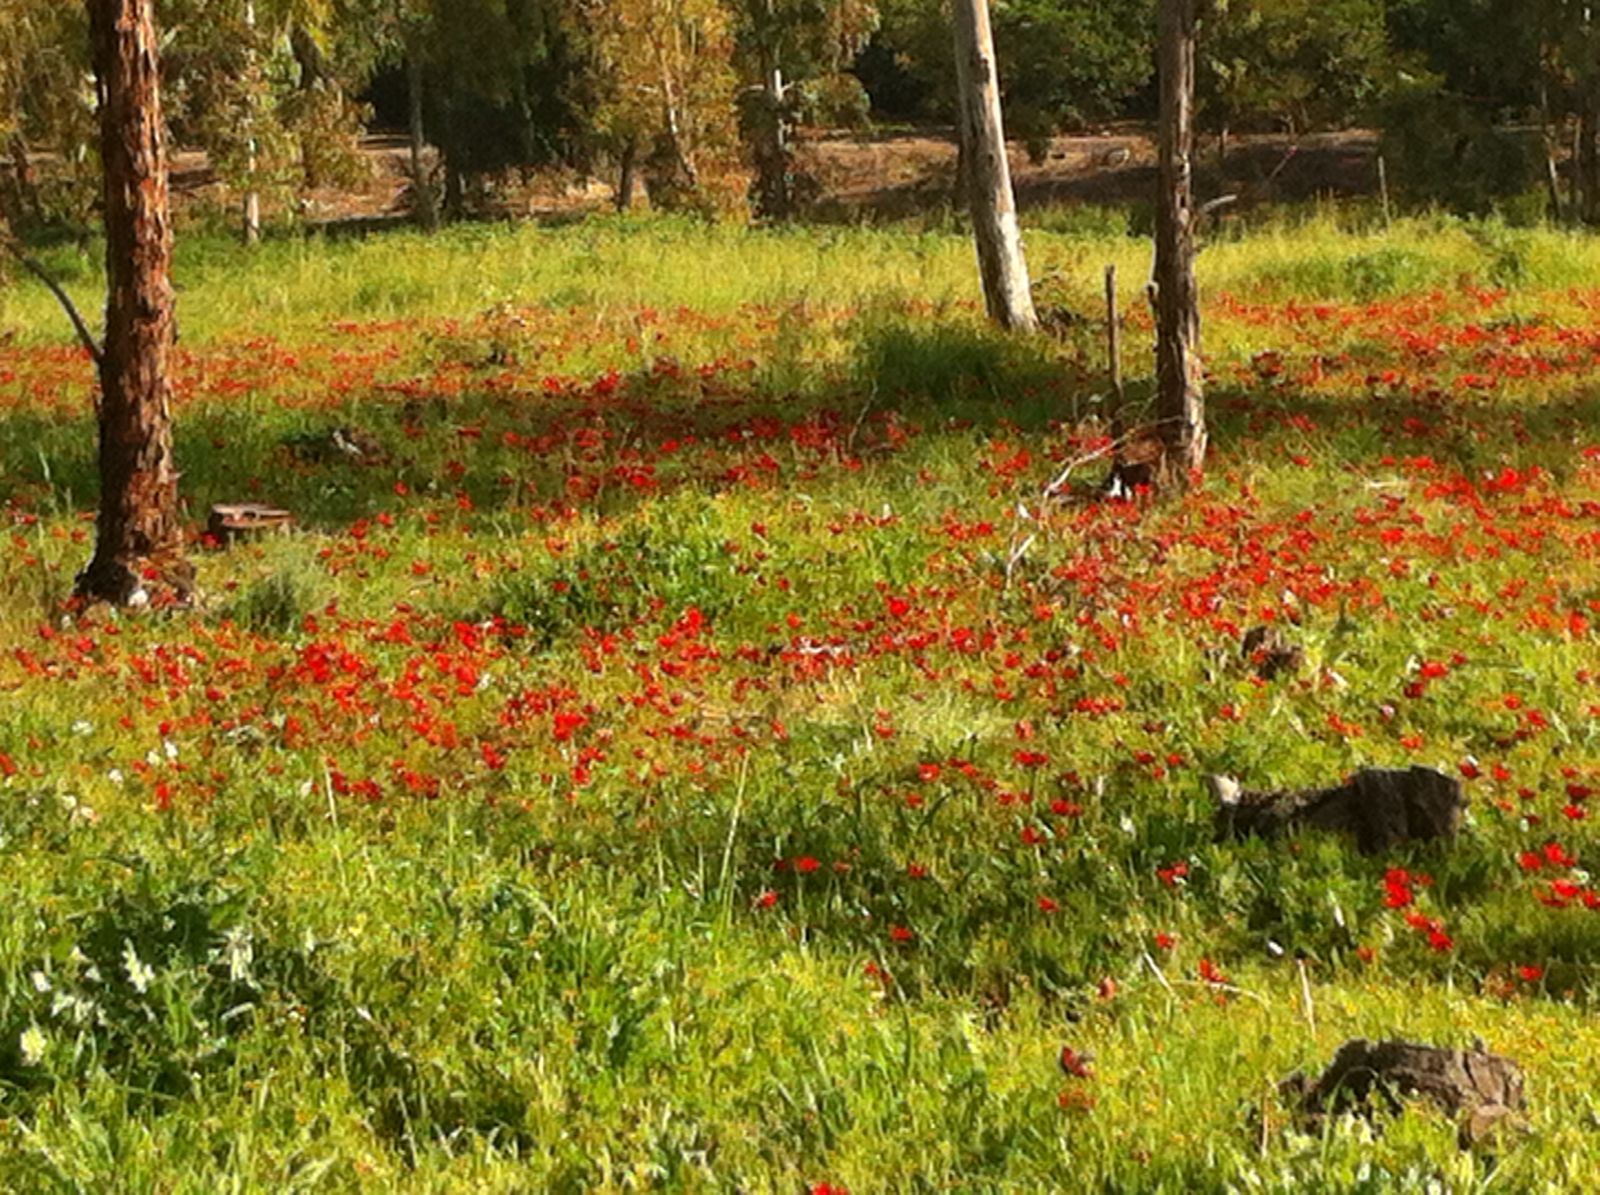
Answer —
1180 401
626 173
1588 163
252 197
1006 292
423 207
138 556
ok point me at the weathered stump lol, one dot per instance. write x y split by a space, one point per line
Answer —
1485 1090
1380 807
243 520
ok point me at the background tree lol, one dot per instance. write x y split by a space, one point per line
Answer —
668 88
46 107
798 52
1291 65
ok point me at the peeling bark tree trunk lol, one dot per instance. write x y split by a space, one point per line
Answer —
138 556
1006 292
1180 401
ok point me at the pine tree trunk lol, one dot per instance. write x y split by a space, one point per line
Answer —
423 207
1180 402
138 556
1006 292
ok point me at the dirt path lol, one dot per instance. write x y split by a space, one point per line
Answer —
886 175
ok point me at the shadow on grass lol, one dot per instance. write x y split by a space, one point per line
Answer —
607 445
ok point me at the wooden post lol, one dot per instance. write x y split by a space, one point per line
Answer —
1113 341
1180 399
1383 190
1553 181
138 555
1006 291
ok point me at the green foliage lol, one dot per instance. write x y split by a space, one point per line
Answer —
1303 64
1443 151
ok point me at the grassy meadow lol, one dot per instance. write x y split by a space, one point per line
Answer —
684 747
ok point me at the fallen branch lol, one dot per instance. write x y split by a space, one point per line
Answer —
43 275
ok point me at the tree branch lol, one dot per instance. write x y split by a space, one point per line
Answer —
43 275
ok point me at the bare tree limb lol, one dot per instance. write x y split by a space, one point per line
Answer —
43 275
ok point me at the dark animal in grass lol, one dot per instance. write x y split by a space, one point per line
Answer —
1381 808
1485 1089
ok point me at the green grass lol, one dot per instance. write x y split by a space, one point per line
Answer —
686 751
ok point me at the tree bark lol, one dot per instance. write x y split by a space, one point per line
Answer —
1180 401
138 556
1006 292
423 207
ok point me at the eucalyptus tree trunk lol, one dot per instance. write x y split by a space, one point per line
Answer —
138 555
1180 399
1006 293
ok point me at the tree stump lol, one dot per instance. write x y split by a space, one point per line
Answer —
1484 1089
245 520
1380 807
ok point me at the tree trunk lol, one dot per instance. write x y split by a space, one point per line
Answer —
252 197
138 556
423 207
626 171
1588 163
772 154
1006 292
1180 402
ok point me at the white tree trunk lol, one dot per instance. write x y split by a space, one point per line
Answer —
1006 292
